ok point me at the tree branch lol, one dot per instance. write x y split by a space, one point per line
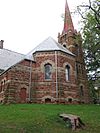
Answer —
79 11
96 12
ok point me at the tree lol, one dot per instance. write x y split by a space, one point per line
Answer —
91 38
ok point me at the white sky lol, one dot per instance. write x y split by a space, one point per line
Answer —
26 23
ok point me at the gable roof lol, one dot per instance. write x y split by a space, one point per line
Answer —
49 45
8 58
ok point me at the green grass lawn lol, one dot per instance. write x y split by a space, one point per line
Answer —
44 118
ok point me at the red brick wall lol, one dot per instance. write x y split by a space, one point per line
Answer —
48 87
38 90
17 77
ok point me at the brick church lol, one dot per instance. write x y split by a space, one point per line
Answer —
53 72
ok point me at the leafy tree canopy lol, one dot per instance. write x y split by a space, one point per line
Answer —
91 37
90 14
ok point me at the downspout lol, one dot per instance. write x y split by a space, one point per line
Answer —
56 75
30 81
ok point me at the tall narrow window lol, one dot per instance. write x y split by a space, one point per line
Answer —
1 89
81 91
67 72
76 68
48 71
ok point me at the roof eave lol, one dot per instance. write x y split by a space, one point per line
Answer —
15 64
54 50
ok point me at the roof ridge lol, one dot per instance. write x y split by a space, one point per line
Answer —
12 51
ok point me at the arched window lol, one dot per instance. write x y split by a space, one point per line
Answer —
67 72
48 71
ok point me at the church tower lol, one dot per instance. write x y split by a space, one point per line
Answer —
71 40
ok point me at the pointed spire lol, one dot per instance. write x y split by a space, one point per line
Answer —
68 24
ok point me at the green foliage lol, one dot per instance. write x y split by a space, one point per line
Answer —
91 43
43 118
92 93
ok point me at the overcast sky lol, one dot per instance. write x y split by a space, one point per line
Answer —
26 23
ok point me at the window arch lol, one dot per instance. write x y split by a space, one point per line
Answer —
48 71
67 72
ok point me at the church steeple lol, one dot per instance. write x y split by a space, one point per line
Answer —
66 38
71 40
68 24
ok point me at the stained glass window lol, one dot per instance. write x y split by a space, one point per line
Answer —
48 71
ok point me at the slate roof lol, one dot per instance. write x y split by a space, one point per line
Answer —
49 45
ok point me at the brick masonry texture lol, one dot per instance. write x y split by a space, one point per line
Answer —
25 83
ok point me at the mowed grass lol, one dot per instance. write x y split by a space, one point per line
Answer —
44 118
